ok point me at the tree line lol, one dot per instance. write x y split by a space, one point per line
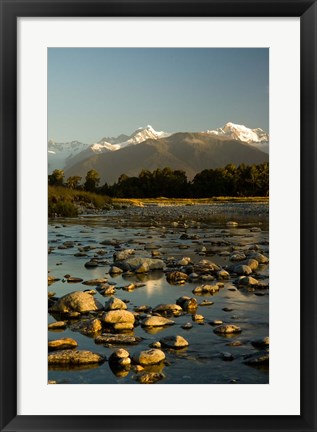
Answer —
236 181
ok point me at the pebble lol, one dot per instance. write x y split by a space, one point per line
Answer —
88 327
216 322
150 377
206 303
57 325
149 357
175 342
156 321
72 279
226 356
198 317
176 277
118 316
175 309
76 301
115 270
227 329
117 339
258 358
156 344
187 326
261 343
232 224
61 344
74 357
114 304
95 282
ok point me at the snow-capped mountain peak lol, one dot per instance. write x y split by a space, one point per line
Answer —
242 133
138 136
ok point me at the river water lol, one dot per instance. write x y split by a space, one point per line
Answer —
203 361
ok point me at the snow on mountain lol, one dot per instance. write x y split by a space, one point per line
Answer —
138 136
58 153
240 132
64 155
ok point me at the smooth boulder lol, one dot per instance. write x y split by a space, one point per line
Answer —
74 358
175 342
149 357
76 301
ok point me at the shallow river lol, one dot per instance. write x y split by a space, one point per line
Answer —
203 361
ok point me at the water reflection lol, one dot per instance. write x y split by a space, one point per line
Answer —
99 237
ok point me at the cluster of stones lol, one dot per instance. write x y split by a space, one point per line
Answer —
112 324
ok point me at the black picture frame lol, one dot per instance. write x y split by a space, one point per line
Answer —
10 11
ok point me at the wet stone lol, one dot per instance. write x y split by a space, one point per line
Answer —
216 322
198 318
227 329
57 325
156 344
115 304
247 281
73 279
118 316
88 327
242 269
150 377
175 342
187 326
95 282
156 321
62 344
257 359
226 356
261 343
74 358
149 357
206 303
176 277
76 301
117 339
163 308
115 270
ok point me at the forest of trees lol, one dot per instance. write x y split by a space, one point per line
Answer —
235 181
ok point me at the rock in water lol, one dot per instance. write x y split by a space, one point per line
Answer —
149 357
62 344
136 262
76 301
163 308
114 304
261 343
257 359
57 325
156 321
118 316
87 327
74 358
176 277
227 329
175 342
117 339
150 377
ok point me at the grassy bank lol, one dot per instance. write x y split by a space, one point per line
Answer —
186 201
69 203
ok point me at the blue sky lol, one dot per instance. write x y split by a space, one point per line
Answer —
98 92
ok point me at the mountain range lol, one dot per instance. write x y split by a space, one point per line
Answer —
148 149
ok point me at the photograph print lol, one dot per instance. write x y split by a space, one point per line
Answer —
158 215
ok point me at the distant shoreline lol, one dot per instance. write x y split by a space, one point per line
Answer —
162 201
